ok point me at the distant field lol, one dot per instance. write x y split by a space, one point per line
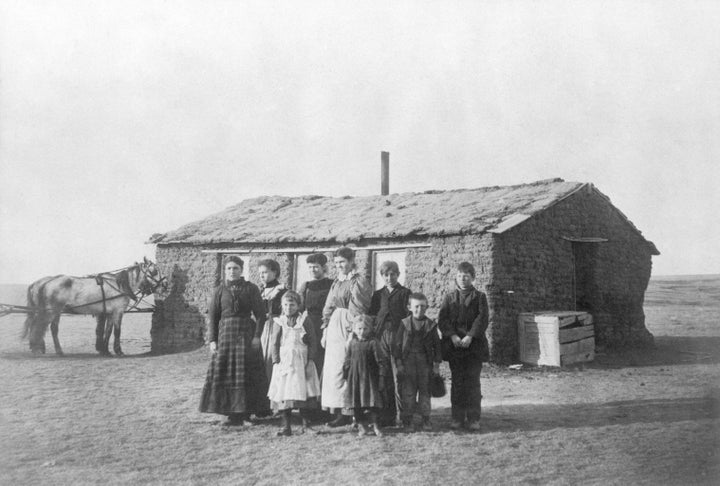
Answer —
687 305
703 290
13 294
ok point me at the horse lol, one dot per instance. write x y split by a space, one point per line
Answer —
105 295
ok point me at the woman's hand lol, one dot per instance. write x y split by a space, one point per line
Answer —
213 347
465 342
255 343
456 340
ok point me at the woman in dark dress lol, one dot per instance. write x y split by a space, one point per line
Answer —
314 294
236 384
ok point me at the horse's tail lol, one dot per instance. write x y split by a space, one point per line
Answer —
32 313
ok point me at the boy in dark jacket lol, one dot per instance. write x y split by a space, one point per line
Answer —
463 320
417 358
389 306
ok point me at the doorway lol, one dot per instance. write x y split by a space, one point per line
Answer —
585 251
584 275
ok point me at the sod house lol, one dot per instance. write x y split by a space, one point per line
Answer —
547 245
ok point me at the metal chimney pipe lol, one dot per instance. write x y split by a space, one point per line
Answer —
384 173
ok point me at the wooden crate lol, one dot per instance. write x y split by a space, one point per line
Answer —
556 338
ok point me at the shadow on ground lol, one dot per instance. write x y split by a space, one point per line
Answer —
668 350
27 355
534 417
539 417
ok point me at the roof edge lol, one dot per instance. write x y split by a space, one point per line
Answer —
517 219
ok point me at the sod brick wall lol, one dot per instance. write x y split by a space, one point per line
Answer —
178 322
533 271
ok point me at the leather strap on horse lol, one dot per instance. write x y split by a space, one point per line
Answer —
101 282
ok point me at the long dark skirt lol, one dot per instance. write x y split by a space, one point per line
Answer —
315 322
236 380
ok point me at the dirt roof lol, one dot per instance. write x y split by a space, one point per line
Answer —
278 219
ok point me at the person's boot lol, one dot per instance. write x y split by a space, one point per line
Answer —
458 419
285 430
246 419
362 429
234 419
474 425
305 416
340 420
378 431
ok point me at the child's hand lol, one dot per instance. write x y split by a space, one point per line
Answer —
465 342
456 340
213 347
436 368
255 343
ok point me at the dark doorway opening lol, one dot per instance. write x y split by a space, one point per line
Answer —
585 256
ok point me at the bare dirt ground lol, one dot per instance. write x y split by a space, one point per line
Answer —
631 417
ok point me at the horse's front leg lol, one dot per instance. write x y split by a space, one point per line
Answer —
100 343
54 328
116 342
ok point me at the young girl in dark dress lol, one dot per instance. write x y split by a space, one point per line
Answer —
366 369
236 383
314 294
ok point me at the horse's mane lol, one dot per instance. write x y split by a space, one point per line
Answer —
123 281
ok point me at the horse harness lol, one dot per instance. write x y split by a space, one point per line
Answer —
100 279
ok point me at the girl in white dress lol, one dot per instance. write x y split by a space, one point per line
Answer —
295 382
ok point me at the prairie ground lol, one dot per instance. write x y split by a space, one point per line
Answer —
630 417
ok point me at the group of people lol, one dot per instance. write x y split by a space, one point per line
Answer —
336 350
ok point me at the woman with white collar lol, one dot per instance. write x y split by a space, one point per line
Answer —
349 297
271 292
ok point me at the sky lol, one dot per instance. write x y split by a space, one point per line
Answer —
120 119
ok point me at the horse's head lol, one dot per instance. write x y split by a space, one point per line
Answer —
151 278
